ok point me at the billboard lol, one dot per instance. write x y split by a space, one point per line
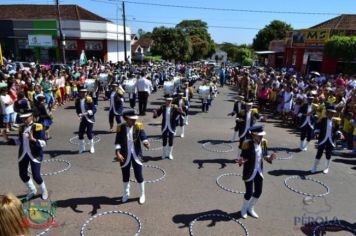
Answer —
40 41
310 37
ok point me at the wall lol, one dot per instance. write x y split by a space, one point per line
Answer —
112 50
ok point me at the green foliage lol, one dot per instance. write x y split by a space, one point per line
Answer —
247 62
153 58
197 31
275 30
237 53
171 43
342 47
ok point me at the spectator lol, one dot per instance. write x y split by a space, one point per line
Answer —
12 221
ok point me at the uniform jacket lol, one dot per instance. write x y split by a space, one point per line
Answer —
303 115
173 117
243 117
321 127
35 147
248 153
185 103
118 106
89 106
138 134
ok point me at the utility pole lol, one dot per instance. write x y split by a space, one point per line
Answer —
124 21
61 38
117 31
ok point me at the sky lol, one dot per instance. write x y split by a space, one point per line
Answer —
245 24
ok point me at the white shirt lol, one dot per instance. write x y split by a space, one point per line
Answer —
248 122
26 145
258 167
328 135
144 85
307 120
6 109
131 148
82 109
168 120
112 102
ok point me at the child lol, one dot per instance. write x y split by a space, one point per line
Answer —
348 129
68 92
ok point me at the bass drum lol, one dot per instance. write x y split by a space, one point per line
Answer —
130 85
91 85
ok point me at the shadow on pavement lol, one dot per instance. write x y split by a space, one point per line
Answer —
95 202
308 228
290 172
185 219
213 141
220 161
56 153
284 149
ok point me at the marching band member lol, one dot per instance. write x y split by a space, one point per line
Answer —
128 150
183 104
238 105
246 119
188 94
116 105
254 151
85 110
306 113
328 130
32 141
169 113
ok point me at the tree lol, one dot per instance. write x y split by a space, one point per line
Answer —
275 30
342 47
237 53
171 43
198 29
199 46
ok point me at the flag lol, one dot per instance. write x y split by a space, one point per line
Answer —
1 59
83 58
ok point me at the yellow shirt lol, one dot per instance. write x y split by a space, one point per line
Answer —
273 96
68 90
348 126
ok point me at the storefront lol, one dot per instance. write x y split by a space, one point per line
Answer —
83 30
305 48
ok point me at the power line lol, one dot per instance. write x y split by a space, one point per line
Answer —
210 26
232 9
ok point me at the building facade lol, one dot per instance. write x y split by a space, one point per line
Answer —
30 32
305 48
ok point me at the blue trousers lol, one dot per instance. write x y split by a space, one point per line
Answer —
307 132
35 169
167 136
137 171
111 118
85 127
257 182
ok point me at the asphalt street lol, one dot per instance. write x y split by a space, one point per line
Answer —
93 184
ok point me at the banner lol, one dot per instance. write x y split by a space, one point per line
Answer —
40 41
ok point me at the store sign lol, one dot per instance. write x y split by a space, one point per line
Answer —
310 37
40 41
93 45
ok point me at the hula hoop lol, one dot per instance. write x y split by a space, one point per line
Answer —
85 225
304 193
154 180
191 232
68 166
230 147
225 188
75 140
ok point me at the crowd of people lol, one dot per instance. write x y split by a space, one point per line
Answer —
320 106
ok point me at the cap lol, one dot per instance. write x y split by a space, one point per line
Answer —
249 103
26 114
169 99
114 85
39 96
130 114
257 130
83 89
240 97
